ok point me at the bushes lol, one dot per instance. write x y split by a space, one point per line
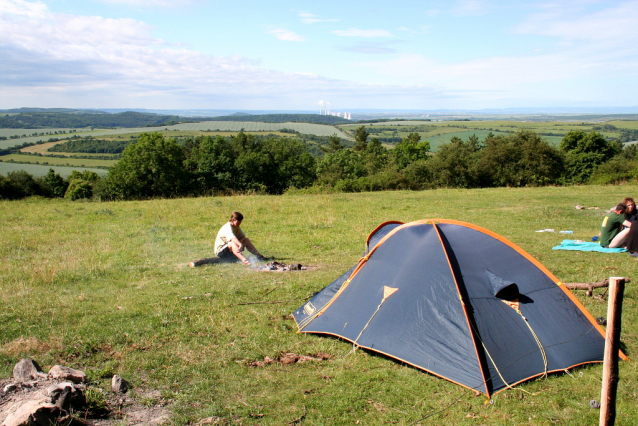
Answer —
520 159
20 184
85 185
55 184
151 167
247 163
584 152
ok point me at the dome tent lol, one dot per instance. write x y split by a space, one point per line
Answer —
458 301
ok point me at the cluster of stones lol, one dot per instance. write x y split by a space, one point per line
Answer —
46 398
282 267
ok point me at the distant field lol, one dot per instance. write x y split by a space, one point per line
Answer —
392 123
440 132
229 127
20 132
39 170
74 162
41 148
249 126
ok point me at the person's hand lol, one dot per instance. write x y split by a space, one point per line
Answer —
245 262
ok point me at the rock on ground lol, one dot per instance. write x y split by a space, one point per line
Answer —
60 372
27 369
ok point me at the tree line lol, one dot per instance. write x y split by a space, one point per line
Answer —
41 120
89 144
155 166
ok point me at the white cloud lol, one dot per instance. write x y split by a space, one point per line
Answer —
616 23
151 3
52 59
594 50
356 32
369 48
22 8
502 73
470 8
286 35
309 18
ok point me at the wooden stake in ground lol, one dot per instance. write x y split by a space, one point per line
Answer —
610 363
591 286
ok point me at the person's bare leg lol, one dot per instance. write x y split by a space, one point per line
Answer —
251 247
620 238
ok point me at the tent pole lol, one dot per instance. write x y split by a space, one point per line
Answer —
610 363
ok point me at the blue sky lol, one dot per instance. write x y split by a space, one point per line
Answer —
213 54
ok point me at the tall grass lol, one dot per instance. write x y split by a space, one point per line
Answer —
105 287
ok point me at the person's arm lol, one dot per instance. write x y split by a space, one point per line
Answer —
627 224
238 242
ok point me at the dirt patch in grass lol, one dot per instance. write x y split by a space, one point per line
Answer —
289 358
145 407
21 345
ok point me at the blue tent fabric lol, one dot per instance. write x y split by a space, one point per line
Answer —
586 246
428 295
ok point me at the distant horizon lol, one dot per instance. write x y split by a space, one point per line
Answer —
215 112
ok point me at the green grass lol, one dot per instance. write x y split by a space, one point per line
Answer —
252 126
224 128
439 132
105 287
54 161
40 170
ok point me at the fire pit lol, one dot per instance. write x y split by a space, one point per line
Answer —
280 267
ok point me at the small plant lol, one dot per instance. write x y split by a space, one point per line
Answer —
96 405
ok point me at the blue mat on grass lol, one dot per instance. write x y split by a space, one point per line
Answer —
586 246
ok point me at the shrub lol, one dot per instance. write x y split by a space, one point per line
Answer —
55 184
8 190
456 165
20 184
79 189
520 159
151 167
616 170
585 151
409 150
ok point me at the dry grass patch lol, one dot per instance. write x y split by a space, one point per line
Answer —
42 148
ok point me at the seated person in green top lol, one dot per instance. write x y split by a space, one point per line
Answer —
611 233
231 241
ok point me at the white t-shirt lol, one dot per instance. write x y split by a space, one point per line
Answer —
225 234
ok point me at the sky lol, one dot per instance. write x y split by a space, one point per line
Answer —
289 55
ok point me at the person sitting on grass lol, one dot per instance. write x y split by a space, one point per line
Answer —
231 241
611 234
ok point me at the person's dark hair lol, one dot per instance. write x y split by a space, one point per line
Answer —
621 207
239 217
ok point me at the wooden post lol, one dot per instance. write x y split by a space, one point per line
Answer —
610 363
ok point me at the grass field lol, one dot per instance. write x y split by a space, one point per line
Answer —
105 287
20 132
439 132
251 126
54 161
40 170
223 128
437 141
43 149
